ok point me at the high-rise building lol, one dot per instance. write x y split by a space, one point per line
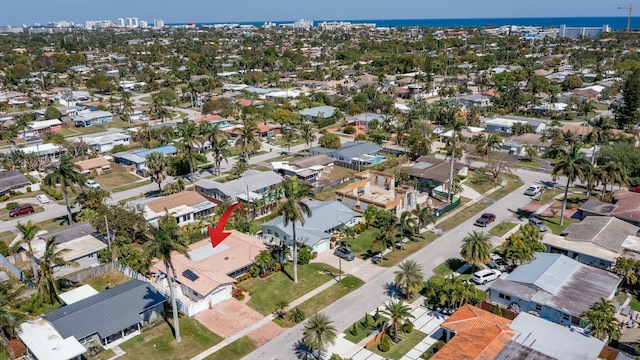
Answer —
120 22
143 24
134 22
157 23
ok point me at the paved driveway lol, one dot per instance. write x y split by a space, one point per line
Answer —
363 269
228 317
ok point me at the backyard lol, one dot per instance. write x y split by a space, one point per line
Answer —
118 181
111 279
158 342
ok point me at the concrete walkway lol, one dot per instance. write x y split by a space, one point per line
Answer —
469 192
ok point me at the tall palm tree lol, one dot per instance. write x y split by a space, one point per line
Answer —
52 257
456 127
628 269
319 333
601 320
476 248
127 105
307 133
600 134
250 141
424 215
294 209
66 173
408 223
410 277
156 164
219 146
10 317
166 239
397 312
28 232
572 164
189 134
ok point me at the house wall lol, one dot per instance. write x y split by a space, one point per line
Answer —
583 258
543 311
152 314
275 234
83 263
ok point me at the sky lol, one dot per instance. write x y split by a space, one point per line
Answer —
18 12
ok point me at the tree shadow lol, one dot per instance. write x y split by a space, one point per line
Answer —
392 290
522 214
302 351
61 220
168 315
284 271
374 256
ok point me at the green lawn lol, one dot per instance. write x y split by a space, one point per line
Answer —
363 331
236 350
326 297
448 267
513 182
265 293
117 181
53 224
104 355
479 182
80 131
409 341
553 223
462 215
158 342
502 228
397 255
363 242
4 212
110 278
634 303
548 195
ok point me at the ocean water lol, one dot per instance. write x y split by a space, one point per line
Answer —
616 23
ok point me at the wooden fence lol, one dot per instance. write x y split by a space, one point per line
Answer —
90 272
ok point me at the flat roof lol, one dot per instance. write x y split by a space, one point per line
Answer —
44 341
77 294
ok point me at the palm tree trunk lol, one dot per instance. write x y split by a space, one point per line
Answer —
174 305
159 185
295 254
34 267
453 158
191 166
564 201
66 201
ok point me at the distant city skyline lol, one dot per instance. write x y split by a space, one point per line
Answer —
29 12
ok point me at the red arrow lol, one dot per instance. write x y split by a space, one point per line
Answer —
217 235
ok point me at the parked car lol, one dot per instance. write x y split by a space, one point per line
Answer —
498 263
344 252
538 223
485 219
533 190
635 189
91 184
43 199
22 210
486 275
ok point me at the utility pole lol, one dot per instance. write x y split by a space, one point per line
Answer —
630 8
106 223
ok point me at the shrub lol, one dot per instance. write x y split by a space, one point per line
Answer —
12 205
52 192
407 327
254 271
277 267
236 292
4 248
366 323
28 189
200 158
243 277
349 130
354 329
304 256
296 315
4 197
31 179
497 310
385 343
240 297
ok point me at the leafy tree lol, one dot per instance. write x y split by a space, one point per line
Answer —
122 221
572 164
410 277
28 232
66 173
451 292
397 312
165 241
10 317
319 333
476 248
294 209
601 320
627 113
52 113
330 141
156 164
628 269
52 257
93 199
571 82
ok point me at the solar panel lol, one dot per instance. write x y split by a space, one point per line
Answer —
190 275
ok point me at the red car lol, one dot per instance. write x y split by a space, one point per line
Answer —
485 219
21 210
635 188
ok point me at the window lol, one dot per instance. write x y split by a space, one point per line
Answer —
501 295
538 307
565 316
575 320
269 231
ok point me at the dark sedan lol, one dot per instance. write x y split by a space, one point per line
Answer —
485 219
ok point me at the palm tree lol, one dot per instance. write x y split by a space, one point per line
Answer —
572 164
189 133
600 134
280 252
408 223
307 134
66 173
628 269
384 238
127 105
219 147
601 320
319 333
397 312
410 277
47 287
28 232
294 209
156 164
456 127
424 215
250 142
476 248
10 317
166 240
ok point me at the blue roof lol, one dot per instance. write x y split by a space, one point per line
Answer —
547 271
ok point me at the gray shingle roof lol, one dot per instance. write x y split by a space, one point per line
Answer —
71 232
107 312
352 149
253 180
12 180
605 231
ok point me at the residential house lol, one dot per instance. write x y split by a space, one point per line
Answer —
44 342
597 241
503 124
206 277
353 153
627 206
475 333
12 180
555 287
185 207
98 165
478 100
251 185
317 112
311 169
135 160
105 143
327 218
80 244
92 118
114 314
50 152
365 118
379 189
431 173
37 128
517 145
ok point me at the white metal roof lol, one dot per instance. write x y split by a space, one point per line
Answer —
44 342
77 294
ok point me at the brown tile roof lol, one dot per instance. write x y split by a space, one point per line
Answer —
238 252
628 205
439 171
187 198
479 335
307 162
93 163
